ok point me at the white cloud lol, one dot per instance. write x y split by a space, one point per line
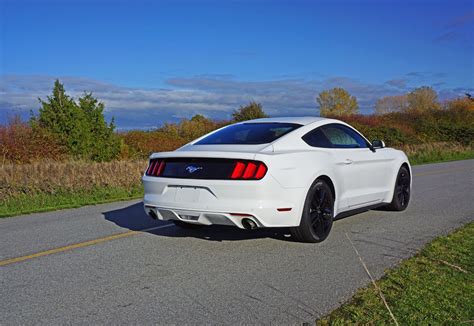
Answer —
213 96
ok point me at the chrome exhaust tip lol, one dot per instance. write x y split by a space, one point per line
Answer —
152 214
249 224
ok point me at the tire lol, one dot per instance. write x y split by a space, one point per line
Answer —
318 214
187 226
401 192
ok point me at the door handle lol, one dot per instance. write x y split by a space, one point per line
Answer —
348 161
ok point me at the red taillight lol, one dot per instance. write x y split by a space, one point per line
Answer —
238 170
248 170
150 168
261 171
155 168
160 168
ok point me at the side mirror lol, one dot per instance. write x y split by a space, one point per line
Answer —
378 144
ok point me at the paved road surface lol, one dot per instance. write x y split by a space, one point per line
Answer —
108 270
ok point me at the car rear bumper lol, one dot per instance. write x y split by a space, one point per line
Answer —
223 202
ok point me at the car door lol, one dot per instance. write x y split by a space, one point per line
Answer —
362 170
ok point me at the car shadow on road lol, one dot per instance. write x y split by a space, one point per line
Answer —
134 218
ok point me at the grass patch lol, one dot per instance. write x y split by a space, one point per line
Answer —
424 289
61 199
439 156
48 185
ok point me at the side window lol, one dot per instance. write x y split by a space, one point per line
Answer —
341 136
316 138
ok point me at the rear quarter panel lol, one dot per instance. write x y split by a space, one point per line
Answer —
300 168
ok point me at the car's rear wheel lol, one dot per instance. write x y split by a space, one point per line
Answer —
401 194
318 214
188 226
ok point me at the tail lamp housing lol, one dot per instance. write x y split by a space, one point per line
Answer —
206 168
248 170
155 168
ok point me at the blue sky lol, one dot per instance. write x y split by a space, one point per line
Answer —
156 61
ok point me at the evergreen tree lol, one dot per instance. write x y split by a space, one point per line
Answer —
104 145
81 126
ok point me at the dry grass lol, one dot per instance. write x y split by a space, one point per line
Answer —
417 149
49 176
438 152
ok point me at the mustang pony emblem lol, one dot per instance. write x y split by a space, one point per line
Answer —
192 168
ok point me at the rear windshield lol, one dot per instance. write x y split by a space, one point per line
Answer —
249 133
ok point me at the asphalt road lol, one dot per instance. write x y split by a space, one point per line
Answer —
97 265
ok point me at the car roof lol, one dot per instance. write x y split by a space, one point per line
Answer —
299 120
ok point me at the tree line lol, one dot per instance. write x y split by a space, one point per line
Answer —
338 102
77 128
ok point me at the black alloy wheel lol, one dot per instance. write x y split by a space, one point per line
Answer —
402 191
318 214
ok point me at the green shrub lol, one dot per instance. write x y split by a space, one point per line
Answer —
391 136
454 124
80 126
251 111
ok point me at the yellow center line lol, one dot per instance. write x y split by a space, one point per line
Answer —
78 245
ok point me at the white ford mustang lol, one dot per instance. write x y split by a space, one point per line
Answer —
300 173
